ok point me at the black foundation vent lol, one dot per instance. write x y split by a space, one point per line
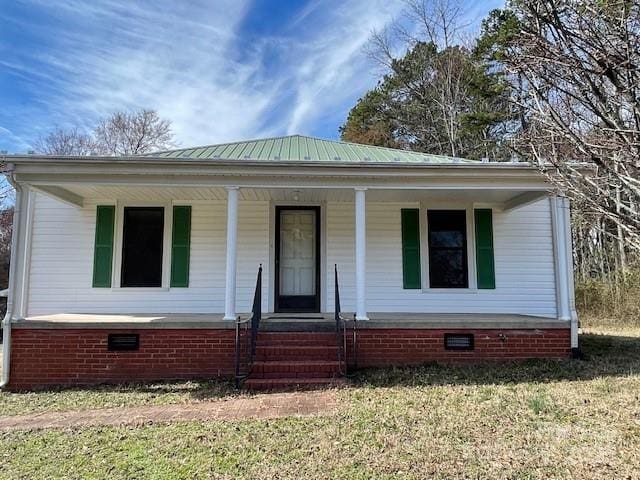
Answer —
123 342
458 341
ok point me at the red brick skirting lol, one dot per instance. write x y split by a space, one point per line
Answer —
377 348
46 357
43 357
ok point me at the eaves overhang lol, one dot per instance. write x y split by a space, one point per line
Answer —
65 177
59 165
179 162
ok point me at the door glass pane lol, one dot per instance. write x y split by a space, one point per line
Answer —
297 252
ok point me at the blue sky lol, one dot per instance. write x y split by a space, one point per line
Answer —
220 70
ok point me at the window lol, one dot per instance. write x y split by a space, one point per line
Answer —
448 249
142 238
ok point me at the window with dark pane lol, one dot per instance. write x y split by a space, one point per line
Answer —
448 249
142 235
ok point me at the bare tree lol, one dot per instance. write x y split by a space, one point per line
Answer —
440 98
439 21
6 227
122 133
580 65
65 142
133 133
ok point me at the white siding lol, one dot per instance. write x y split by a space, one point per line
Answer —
340 238
523 248
62 263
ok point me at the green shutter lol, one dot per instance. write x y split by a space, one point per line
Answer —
180 246
103 251
484 248
411 248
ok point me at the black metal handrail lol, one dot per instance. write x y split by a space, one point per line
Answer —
341 331
252 324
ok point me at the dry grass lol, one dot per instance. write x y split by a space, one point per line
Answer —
540 419
112 396
610 302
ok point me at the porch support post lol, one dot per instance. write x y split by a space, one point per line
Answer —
563 252
571 294
232 240
560 252
361 254
22 294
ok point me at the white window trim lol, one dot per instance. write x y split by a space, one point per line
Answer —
471 245
166 246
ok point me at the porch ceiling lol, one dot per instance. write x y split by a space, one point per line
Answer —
510 198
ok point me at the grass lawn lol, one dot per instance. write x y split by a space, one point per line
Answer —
540 419
109 396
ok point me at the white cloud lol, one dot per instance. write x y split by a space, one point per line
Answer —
193 62
189 61
173 60
334 67
14 140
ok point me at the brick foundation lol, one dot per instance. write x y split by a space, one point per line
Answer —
47 357
43 357
378 348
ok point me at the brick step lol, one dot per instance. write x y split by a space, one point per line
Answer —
296 339
295 369
292 383
278 352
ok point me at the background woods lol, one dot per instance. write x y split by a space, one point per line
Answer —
555 83
436 94
6 227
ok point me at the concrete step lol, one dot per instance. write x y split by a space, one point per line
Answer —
292 383
295 369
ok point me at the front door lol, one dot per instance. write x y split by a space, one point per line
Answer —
297 245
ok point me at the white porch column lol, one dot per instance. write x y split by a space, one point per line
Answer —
232 240
560 254
25 261
361 254
565 205
563 252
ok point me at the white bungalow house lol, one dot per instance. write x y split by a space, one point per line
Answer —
144 267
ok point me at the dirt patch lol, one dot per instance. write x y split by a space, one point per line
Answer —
266 406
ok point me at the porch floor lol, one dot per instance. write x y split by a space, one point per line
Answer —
291 322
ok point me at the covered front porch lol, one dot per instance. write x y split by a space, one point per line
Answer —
235 229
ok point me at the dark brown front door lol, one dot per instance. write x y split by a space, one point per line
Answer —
297 278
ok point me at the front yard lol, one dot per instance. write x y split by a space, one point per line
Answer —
540 419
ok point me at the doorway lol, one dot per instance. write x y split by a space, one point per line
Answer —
297 259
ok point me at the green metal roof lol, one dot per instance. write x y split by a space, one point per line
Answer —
298 148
